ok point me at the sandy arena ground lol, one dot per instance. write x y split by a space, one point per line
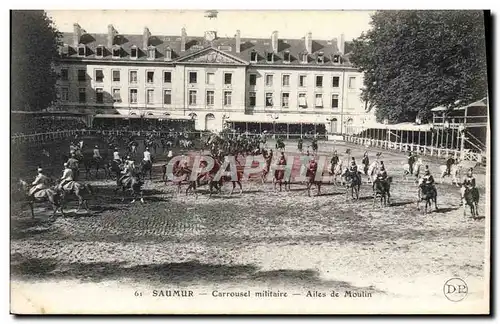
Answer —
286 241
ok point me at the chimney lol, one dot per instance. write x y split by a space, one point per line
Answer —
111 35
183 39
335 45
274 41
145 38
309 42
342 43
77 34
238 41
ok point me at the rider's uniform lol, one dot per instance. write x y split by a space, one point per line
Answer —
41 182
66 177
313 167
116 157
97 154
469 182
72 163
147 156
428 180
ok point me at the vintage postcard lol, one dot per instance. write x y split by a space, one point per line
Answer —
249 162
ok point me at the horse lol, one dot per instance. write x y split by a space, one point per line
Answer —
146 167
352 183
90 163
455 171
381 189
416 169
48 194
311 175
226 178
280 145
77 189
131 183
372 171
426 193
314 147
336 171
279 178
470 197
113 170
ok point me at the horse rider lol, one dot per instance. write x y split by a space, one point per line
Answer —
353 169
97 154
381 175
73 164
127 169
428 179
66 177
411 161
147 156
334 160
300 144
365 162
282 159
449 162
313 166
116 156
41 182
469 181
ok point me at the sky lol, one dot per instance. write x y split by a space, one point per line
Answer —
324 24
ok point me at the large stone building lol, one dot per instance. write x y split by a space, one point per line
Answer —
290 85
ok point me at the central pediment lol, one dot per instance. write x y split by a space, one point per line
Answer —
211 55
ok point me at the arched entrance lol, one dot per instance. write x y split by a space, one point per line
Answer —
333 126
210 123
193 116
349 126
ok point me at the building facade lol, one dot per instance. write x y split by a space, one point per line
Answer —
251 83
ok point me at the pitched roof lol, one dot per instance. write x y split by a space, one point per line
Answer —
195 43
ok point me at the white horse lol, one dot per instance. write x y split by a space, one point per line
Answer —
416 168
337 172
372 171
455 172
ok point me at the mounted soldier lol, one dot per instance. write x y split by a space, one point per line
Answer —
365 162
469 183
116 156
41 182
449 163
300 144
411 162
428 181
334 160
72 163
66 177
97 154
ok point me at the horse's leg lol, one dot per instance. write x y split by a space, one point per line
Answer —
32 209
141 195
234 186
308 189
241 187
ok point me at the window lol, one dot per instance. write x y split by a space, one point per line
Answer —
116 52
168 55
319 101
151 53
335 81
133 77
285 80
116 75
352 82
150 76
82 50
167 97
321 58
99 95
167 77
253 98
116 95
269 80
193 77
285 96
270 57
133 96
253 79
210 98
150 94
99 76
82 95
286 57
99 51
82 75
64 74
210 78
335 101
227 98
336 59
302 100
64 94
227 78
302 80
134 53
303 58
269 99
253 57
192 97
319 81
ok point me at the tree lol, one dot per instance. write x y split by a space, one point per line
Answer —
414 61
34 53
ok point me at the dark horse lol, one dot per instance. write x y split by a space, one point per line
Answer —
311 180
146 167
381 189
113 171
470 197
89 163
207 178
43 195
352 183
428 193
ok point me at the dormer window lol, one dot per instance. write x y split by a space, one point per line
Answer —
336 59
168 54
99 51
82 50
253 57
303 58
286 57
116 51
321 58
270 57
134 53
65 50
151 53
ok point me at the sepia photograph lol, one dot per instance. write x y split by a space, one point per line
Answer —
250 162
